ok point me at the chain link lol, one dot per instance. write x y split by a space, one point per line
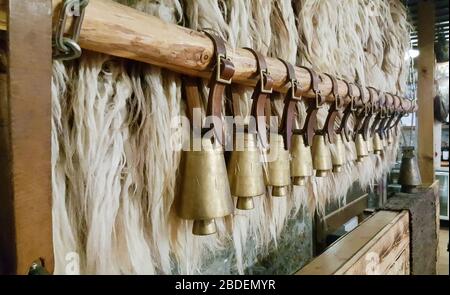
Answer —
66 47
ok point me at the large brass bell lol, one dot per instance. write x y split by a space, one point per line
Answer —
361 147
338 157
409 176
301 162
321 156
377 144
245 172
278 174
205 191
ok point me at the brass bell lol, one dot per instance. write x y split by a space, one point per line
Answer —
361 147
321 156
338 157
377 144
301 162
409 176
278 174
245 173
205 191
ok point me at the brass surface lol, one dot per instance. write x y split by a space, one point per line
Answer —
299 181
244 203
361 147
204 227
279 191
409 176
321 156
377 144
338 158
278 174
245 170
205 192
301 162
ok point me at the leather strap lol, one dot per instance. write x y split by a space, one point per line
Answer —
308 129
222 73
328 128
374 106
365 128
261 93
349 111
292 97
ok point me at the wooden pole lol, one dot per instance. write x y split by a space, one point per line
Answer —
118 30
426 91
25 211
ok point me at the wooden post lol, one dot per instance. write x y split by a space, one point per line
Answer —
25 211
426 90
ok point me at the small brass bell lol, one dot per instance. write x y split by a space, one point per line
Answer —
245 173
377 144
338 157
409 176
321 156
205 191
301 163
361 147
278 169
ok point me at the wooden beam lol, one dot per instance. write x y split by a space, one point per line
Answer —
26 227
426 91
118 30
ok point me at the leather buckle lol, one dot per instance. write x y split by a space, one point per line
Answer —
295 85
264 74
318 94
220 58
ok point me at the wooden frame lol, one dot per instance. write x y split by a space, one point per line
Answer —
25 199
380 245
426 92
334 220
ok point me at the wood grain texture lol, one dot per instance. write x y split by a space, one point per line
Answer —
122 31
382 252
426 91
29 228
371 248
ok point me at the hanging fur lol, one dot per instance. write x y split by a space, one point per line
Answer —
115 173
